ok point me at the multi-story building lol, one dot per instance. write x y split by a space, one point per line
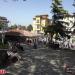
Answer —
3 27
69 23
39 22
4 22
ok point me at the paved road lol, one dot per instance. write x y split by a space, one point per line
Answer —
41 62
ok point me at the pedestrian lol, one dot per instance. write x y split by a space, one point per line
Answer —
19 47
10 45
35 45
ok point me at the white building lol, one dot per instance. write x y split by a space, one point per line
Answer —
69 22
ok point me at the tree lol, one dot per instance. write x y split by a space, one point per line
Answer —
49 29
58 14
13 26
29 27
22 27
57 25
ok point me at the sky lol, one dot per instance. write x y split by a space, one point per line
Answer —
22 13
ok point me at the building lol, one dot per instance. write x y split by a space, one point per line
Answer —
4 22
3 28
40 21
68 22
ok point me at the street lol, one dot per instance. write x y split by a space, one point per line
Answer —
42 61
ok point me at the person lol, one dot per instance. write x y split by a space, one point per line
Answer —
10 45
19 47
35 45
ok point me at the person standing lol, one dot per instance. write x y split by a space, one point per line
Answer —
35 44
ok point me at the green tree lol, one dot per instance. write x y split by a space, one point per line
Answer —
57 25
58 14
49 29
13 26
22 27
29 27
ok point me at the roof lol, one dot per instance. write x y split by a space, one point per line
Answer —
22 32
3 19
41 15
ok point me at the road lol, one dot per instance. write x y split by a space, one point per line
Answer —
41 61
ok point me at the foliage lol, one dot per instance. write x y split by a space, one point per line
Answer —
13 26
29 27
57 25
22 27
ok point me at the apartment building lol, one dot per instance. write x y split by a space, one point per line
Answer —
40 21
4 22
68 22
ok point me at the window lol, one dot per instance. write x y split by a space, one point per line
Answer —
38 26
37 21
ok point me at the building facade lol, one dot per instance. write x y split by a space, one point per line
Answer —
68 22
39 22
3 28
3 22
